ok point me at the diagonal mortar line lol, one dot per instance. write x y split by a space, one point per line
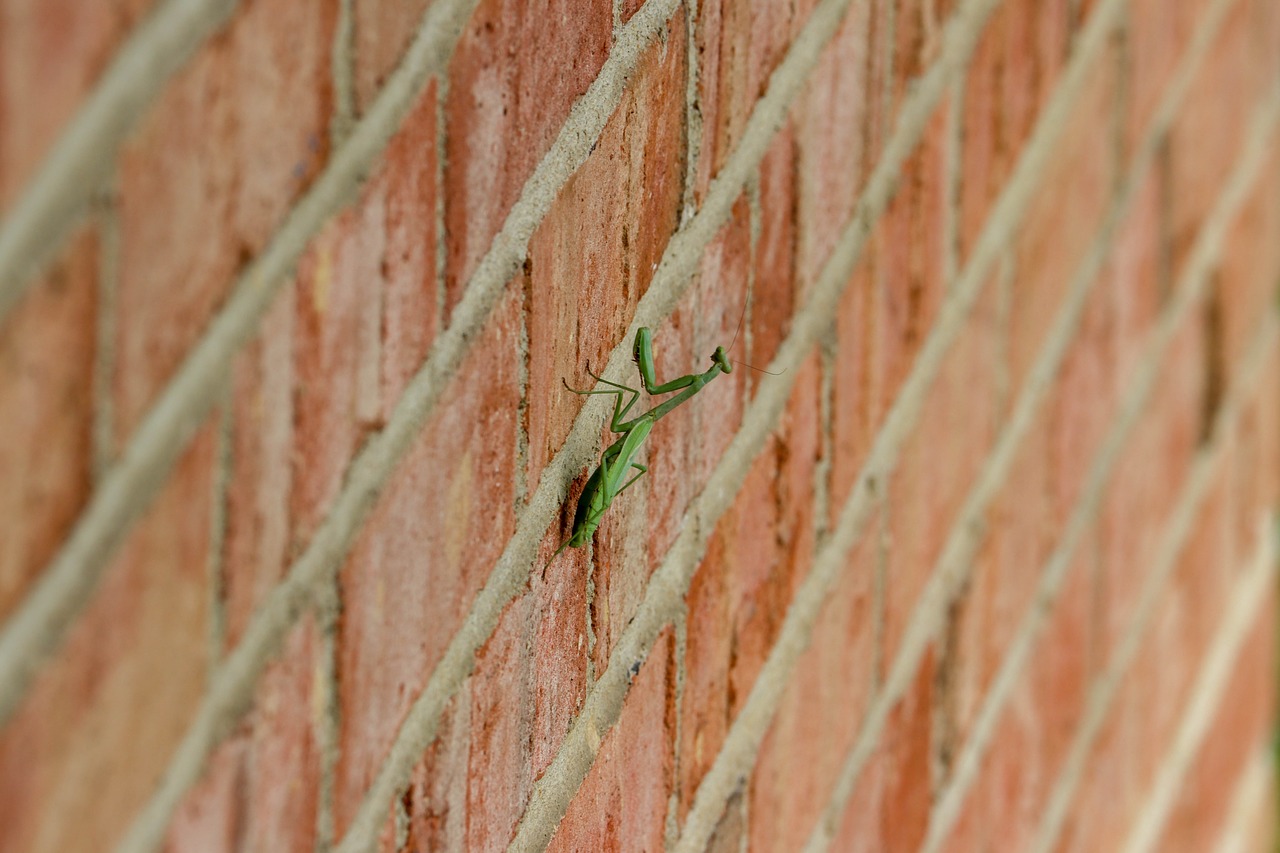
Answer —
671 279
1252 794
231 691
1207 695
947 805
1174 537
957 559
741 745
132 483
665 595
85 153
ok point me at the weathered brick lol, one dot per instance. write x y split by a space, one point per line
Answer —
832 157
622 803
51 55
102 718
382 33
517 69
407 183
46 415
594 254
209 174
260 473
261 788
1059 227
439 526
739 593
367 299
1222 96
774 291
940 460
435 805
686 445
500 769
821 712
337 333
904 809
1242 727
1015 67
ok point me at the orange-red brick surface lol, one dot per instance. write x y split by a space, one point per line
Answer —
739 152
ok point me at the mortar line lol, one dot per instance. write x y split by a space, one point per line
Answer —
671 280
1249 797
232 691
1207 696
329 724
342 59
83 157
1176 532
742 743
128 488
105 330
215 557
955 560
668 584
1104 688
1190 289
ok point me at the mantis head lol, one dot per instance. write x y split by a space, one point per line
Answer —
721 360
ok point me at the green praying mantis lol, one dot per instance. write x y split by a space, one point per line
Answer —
607 481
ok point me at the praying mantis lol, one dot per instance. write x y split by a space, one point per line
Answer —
606 482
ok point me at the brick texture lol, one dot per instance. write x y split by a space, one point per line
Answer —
667 682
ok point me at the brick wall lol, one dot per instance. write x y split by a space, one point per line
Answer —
985 561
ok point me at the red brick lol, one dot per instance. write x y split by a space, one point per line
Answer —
821 712
904 809
213 813
1223 96
1015 68
407 183
831 155
686 445
558 635
429 545
436 802
1249 266
1157 36
594 254
1241 728
774 292
101 720
366 303
382 34
1019 535
510 89
207 178
941 459
740 44
622 804
856 405
860 829
51 55
257 538
1254 487
1060 225
46 415
337 334
261 788
740 592
500 769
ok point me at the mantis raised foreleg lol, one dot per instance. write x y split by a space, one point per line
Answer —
607 481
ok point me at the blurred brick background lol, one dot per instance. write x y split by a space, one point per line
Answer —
284 450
